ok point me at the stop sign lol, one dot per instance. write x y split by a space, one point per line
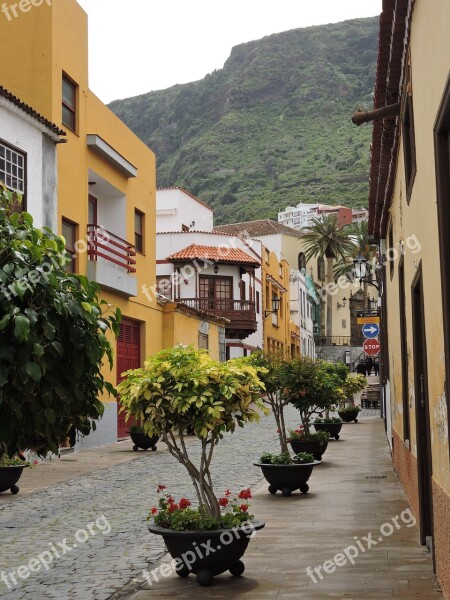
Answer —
371 347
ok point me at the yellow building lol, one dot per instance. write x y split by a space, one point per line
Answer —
275 287
409 203
106 188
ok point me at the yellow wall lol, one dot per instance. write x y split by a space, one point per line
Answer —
276 337
419 219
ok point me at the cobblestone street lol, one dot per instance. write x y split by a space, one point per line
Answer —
123 494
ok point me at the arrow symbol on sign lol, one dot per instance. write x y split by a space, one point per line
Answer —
371 329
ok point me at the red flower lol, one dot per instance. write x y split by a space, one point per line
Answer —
243 507
170 500
223 502
245 494
161 488
184 503
36 462
154 510
173 507
227 493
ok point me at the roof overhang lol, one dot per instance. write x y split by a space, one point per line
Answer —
103 149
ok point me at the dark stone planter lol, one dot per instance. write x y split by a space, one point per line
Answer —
315 448
333 429
142 440
220 550
9 476
349 415
287 478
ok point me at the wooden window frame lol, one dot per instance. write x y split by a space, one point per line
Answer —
72 266
139 236
442 158
73 109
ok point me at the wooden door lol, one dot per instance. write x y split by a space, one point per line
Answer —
128 357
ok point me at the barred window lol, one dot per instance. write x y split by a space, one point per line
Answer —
12 168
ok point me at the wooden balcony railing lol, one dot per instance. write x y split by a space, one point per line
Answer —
104 244
235 310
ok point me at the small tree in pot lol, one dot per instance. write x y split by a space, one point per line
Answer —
183 389
52 339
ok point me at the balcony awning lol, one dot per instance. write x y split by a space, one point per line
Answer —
218 254
276 284
107 152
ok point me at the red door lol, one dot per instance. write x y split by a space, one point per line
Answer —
128 357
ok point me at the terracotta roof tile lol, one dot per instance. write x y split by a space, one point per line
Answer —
220 254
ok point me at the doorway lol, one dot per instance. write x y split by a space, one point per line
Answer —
424 456
128 357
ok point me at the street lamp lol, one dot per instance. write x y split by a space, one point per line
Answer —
275 307
360 267
344 303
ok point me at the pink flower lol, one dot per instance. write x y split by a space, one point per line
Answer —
35 462
184 503
223 502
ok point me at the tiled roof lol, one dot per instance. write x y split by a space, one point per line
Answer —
31 112
219 254
257 228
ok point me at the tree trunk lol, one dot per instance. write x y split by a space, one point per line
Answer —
330 298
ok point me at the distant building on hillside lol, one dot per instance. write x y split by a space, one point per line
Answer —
302 215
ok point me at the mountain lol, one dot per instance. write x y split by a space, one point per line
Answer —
272 127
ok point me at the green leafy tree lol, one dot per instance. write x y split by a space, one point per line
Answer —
311 386
325 238
52 338
182 389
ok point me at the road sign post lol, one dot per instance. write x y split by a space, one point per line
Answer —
371 347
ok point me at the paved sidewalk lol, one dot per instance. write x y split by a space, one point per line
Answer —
353 495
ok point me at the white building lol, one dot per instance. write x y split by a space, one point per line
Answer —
303 214
215 273
28 158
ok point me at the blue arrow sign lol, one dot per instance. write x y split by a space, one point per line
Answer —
371 330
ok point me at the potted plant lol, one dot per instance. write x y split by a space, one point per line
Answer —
287 473
349 413
183 388
312 387
332 425
351 385
10 472
141 439
53 335
281 471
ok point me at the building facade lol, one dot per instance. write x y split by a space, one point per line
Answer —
303 215
408 206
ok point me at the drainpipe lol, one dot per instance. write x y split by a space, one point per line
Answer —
385 112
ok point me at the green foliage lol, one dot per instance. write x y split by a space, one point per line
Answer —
312 386
286 459
52 339
301 435
349 409
353 384
272 127
327 420
183 388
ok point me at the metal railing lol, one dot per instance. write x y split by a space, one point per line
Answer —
110 247
321 340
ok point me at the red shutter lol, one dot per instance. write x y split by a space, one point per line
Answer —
128 357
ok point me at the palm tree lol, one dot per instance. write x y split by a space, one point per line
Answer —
325 238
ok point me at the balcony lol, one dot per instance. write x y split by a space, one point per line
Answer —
321 340
111 261
240 313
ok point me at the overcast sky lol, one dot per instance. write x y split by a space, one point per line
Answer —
143 45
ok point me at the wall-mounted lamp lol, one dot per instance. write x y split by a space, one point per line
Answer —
275 307
344 303
216 268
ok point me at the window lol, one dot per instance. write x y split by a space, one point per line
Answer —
403 348
139 231
69 106
215 293
203 341
164 285
184 227
302 261
267 253
409 144
391 253
321 268
344 323
92 210
258 300
69 231
12 170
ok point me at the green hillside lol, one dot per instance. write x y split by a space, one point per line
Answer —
270 129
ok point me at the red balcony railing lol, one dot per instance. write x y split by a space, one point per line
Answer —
104 244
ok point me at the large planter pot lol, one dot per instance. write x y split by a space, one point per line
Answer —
333 429
287 478
349 415
315 448
9 476
142 440
207 553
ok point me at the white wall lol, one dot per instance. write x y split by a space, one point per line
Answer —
18 130
175 208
